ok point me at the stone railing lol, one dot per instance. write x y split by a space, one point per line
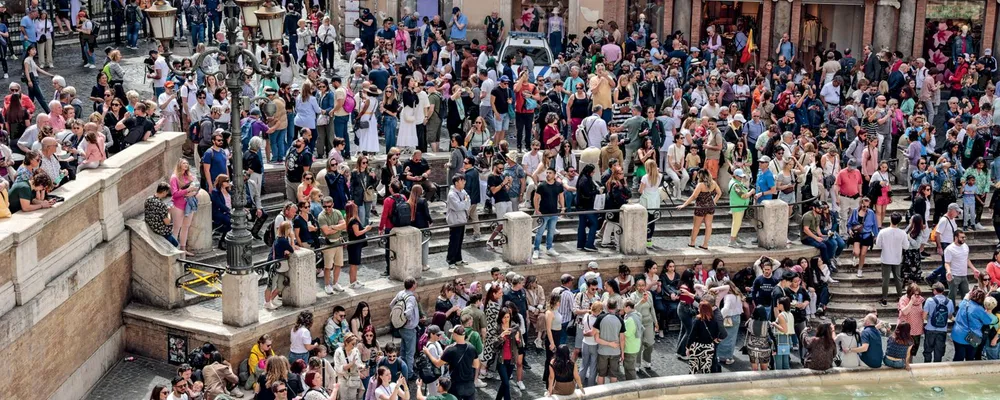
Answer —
800 381
37 246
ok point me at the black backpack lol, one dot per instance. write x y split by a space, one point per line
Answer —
401 212
939 318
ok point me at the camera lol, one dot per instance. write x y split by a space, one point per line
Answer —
149 61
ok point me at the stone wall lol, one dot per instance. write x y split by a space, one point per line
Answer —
65 274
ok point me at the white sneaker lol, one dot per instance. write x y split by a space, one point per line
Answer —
5 76
520 385
477 237
859 273
426 268
552 253
978 225
328 289
357 285
453 266
480 384
319 273
270 306
535 255
337 288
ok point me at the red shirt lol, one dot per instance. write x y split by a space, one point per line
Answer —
519 98
849 183
384 223
548 133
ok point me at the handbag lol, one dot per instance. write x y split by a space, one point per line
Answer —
971 337
727 322
370 195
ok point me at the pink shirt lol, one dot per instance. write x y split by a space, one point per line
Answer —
178 194
612 52
58 123
869 161
95 151
849 183
914 315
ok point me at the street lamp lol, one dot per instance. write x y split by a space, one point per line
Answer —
163 17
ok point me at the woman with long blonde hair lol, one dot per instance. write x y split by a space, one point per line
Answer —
183 189
276 371
649 195
706 194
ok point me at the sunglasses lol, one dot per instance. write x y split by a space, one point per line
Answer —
15 90
281 390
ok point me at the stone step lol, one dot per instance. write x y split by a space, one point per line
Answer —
871 293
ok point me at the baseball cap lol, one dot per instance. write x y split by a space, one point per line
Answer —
764 159
592 265
739 173
739 117
169 84
458 330
988 52
429 84
695 49
504 79
270 90
955 207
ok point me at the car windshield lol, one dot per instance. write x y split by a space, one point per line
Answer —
537 54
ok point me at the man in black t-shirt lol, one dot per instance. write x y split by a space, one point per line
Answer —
139 127
548 201
462 361
417 172
497 187
297 162
501 106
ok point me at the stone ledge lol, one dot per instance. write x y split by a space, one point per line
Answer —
147 326
715 384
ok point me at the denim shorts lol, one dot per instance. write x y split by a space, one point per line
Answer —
501 123
897 364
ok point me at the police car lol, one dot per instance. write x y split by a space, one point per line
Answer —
535 46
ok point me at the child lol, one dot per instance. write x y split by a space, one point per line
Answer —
93 148
692 161
969 203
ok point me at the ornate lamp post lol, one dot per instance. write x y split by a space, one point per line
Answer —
239 281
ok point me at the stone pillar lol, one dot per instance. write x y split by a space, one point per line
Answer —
795 30
633 218
907 15
301 291
695 21
764 36
866 35
517 229
668 21
989 28
200 233
886 14
682 19
240 299
405 242
772 232
782 25
920 15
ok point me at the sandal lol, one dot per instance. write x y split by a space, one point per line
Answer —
703 247
691 246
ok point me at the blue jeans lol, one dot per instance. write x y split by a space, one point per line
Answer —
549 225
822 296
782 362
298 356
293 41
88 53
157 91
570 198
964 352
390 125
340 129
726 347
840 244
409 345
170 238
992 352
826 247
290 132
587 231
197 34
132 34
504 368
214 23
607 114
277 139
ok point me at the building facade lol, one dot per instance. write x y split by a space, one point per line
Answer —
932 29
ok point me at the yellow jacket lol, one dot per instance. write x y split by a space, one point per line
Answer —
255 356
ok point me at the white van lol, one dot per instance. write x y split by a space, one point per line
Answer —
536 45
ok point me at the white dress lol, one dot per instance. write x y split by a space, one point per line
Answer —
368 138
407 128
650 197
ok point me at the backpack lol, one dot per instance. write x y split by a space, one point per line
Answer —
397 313
400 212
425 370
194 129
349 102
269 234
582 132
131 13
939 318
246 132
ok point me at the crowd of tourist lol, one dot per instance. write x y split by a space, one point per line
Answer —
621 112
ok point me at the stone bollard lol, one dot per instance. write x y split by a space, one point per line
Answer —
520 239
772 224
200 232
633 218
405 243
301 291
240 299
